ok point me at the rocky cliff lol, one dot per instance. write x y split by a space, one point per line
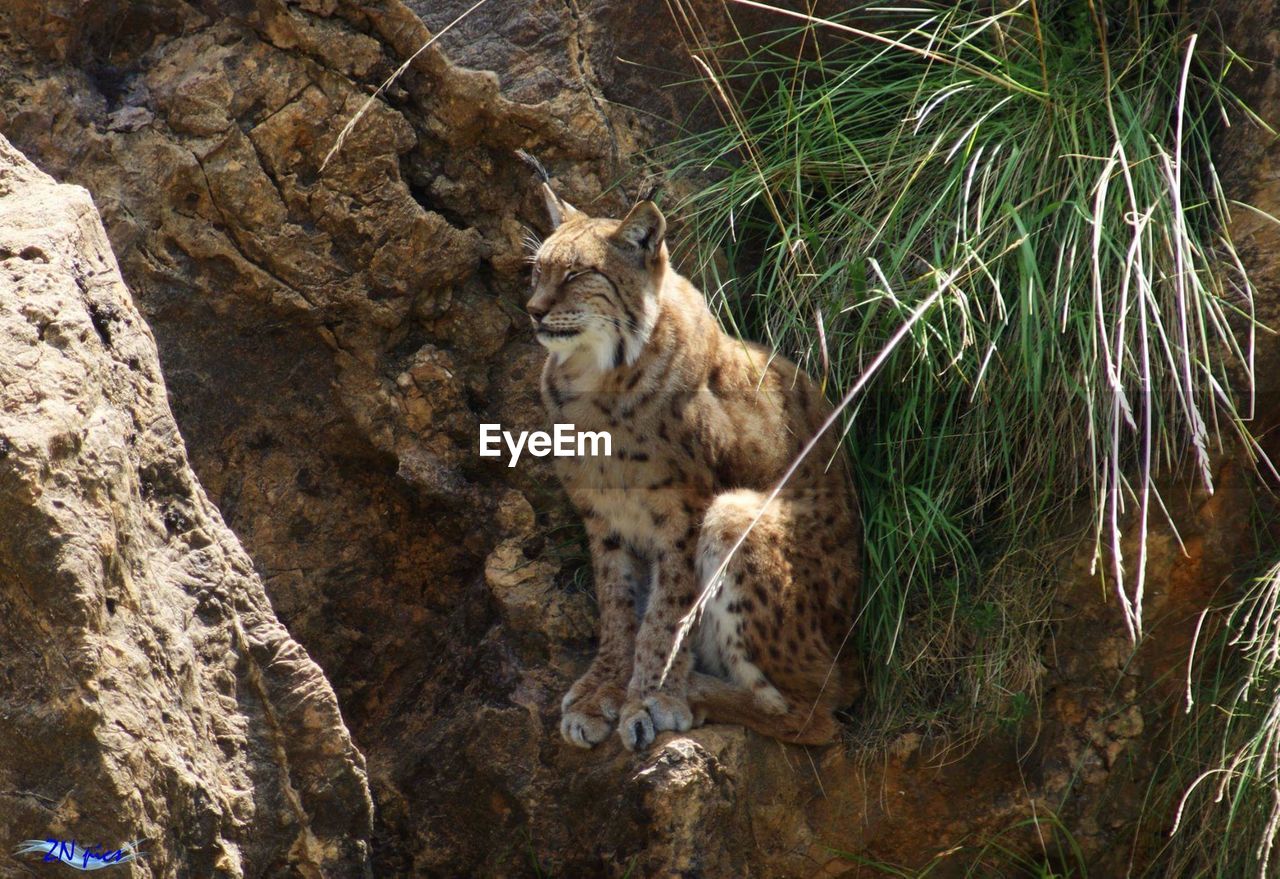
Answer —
330 340
149 691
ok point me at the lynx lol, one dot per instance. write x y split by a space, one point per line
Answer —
703 426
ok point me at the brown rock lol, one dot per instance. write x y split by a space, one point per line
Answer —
149 690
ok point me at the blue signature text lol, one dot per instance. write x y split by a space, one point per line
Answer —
93 857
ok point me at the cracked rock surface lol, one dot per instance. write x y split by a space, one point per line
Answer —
147 690
331 340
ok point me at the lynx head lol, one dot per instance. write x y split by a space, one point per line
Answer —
597 283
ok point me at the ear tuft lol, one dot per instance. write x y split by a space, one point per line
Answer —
558 210
650 190
532 161
643 228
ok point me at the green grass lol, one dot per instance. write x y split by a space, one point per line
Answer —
1044 173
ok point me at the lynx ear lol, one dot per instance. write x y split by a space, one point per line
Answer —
643 228
558 210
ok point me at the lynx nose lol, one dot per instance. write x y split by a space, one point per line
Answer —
536 309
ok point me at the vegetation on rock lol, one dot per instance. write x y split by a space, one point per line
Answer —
1044 171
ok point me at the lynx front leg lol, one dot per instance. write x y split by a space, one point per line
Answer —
654 704
590 708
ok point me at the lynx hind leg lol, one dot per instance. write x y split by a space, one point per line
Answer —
724 646
761 630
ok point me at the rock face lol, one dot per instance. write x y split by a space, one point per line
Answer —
149 691
331 340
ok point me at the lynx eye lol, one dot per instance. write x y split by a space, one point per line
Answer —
574 275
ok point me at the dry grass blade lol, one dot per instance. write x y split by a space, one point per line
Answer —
399 71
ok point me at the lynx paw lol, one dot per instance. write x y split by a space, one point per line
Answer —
641 721
669 712
588 719
636 727
770 701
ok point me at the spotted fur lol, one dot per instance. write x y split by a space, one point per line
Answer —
703 426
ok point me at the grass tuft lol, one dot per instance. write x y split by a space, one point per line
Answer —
1047 167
